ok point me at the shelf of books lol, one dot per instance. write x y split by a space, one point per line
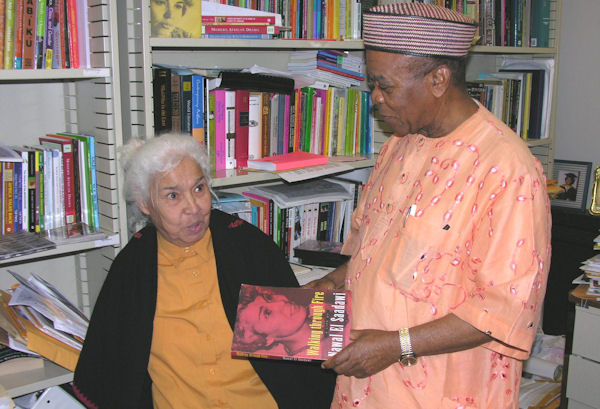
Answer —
233 43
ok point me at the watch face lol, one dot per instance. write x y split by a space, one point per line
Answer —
408 361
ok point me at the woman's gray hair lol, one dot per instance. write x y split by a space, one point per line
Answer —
142 160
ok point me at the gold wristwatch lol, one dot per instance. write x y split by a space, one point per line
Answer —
407 356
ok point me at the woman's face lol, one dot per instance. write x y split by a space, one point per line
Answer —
175 18
180 204
273 316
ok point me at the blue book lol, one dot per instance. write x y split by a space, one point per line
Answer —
342 71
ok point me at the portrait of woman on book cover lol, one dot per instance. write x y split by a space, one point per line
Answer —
176 18
275 323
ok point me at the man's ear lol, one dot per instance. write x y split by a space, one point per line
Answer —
439 80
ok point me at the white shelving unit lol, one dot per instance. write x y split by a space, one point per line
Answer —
87 100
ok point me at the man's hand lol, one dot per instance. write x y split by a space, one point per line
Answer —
334 280
370 351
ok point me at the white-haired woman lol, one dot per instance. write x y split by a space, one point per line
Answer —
161 330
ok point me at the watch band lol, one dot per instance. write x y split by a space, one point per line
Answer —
407 356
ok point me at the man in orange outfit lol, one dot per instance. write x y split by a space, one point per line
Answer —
450 243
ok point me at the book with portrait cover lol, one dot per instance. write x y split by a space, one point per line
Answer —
302 324
183 21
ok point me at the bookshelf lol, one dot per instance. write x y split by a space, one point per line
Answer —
87 101
142 52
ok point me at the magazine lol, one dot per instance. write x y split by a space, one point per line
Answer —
302 324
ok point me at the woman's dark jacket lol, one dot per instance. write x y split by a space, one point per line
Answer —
112 371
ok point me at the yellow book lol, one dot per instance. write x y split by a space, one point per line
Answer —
328 117
526 106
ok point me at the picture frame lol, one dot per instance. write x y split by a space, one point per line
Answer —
595 205
574 179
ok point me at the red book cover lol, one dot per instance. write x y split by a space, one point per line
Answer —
303 324
66 148
242 112
230 20
286 161
239 29
264 223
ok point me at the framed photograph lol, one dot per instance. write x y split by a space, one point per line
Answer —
595 205
573 180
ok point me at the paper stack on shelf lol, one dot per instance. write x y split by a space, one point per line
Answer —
22 243
591 268
43 320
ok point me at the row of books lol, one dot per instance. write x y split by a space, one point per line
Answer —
44 34
294 214
241 116
37 319
303 19
520 95
50 185
334 67
515 23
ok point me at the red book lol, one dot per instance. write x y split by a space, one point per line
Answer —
292 160
242 112
66 148
239 29
220 118
230 20
303 324
72 33
19 9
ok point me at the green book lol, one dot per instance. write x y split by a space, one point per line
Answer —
540 23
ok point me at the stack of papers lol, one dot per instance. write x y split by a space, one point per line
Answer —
591 269
39 319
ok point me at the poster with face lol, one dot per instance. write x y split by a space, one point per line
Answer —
176 18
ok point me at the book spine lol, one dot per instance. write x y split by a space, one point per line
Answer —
186 104
231 20
69 180
211 129
220 128
175 102
17 187
287 107
230 111
40 30
239 29
9 34
72 33
265 122
40 198
83 40
57 42
242 108
18 56
2 29
8 211
78 202
246 36
49 35
281 140
161 85
254 125
50 195
64 35
198 108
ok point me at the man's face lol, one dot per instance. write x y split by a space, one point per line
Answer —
401 96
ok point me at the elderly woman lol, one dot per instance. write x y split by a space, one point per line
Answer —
161 331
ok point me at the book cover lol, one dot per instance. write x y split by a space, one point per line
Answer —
186 103
8 210
181 21
198 108
301 324
292 160
49 35
540 23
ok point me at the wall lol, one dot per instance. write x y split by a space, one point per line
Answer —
578 106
